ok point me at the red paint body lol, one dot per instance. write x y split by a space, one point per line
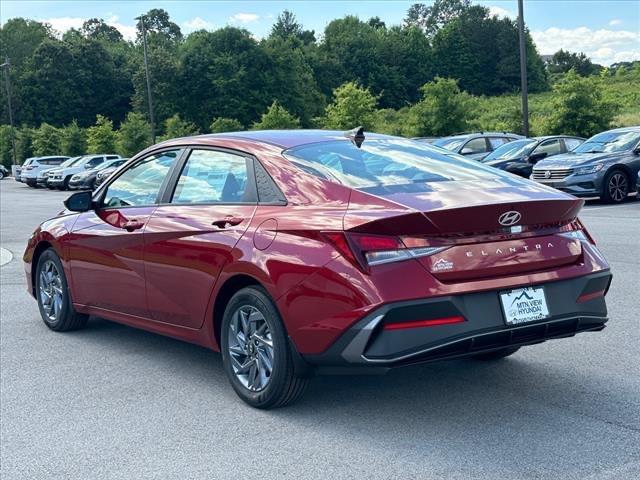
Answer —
166 275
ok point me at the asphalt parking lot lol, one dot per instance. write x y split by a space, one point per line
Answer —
113 402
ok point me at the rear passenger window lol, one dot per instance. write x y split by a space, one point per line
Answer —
210 176
477 145
496 142
550 147
571 143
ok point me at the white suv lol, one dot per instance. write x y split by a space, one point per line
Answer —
60 177
33 166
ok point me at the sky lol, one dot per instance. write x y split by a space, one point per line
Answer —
608 31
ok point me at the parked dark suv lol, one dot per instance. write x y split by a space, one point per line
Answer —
604 166
476 145
520 156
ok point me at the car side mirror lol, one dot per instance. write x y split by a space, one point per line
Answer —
534 157
466 151
637 150
80 202
88 166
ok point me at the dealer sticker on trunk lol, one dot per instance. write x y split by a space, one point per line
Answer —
524 305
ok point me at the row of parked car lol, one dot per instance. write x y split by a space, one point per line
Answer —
606 165
68 173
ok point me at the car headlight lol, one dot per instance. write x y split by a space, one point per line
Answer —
590 169
79 176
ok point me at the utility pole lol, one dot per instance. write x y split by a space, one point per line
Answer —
523 71
146 71
7 72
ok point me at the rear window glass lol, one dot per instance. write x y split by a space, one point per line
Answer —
385 162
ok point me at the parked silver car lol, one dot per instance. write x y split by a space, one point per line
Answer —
604 166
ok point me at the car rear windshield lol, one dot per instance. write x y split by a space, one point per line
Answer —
385 162
608 142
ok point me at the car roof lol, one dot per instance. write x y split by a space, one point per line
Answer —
50 156
547 137
483 134
634 128
285 138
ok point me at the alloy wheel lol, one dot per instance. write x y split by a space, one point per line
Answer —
618 187
51 290
251 348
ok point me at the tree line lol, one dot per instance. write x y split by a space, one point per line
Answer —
86 91
227 73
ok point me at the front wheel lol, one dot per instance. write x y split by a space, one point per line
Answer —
255 351
52 293
615 187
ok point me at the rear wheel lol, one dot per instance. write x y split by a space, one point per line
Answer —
255 351
497 354
615 187
52 293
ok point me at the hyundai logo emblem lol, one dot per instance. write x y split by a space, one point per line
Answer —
509 218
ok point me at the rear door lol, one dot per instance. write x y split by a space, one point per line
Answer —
107 245
192 234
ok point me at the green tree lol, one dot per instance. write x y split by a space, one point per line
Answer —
24 143
6 149
134 134
352 106
481 52
579 107
46 140
73 141
221 125
224 73
100 137
276 117
97 29
176 127
443 110
563 61
433 18
159 27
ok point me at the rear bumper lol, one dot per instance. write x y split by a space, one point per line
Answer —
369 344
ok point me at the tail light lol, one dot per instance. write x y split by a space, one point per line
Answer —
578 231
366 251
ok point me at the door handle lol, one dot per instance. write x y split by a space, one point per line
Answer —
132 224
228 221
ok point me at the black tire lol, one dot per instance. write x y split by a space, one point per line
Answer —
1 174
67 318
283 386
496 354
65 185
615 187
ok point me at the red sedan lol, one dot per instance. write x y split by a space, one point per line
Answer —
302 252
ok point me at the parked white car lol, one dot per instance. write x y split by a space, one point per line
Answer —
33 166
43 176
60 177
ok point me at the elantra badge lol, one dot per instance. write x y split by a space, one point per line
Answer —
509 218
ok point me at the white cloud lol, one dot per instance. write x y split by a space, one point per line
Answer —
604 46
197 23
244 18
614 22
63 24
501 12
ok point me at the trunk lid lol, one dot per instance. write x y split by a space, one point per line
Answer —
491 227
